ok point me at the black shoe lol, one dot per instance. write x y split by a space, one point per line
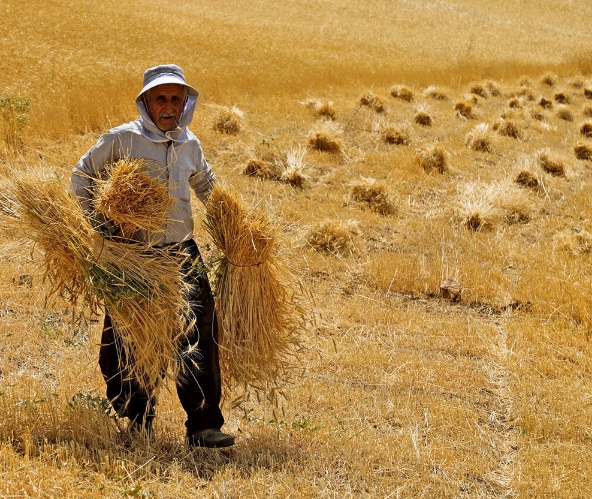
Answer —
210 438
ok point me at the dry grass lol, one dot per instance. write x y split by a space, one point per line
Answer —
550 79
131 198
483 207
260 318
406 394
562 98
576 240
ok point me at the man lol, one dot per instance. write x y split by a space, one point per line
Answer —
166 105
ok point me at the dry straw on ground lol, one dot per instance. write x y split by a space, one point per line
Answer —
433 159
564 113
402 93
508 128
464 109
484 206
335 237
551 163
326 138
373 102
229 120
480 138
131 198
433 92
142 287
422 116
586 129
257 301
575 240
373 194
583 151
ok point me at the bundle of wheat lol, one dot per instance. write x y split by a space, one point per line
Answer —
257 302
141 286
132 198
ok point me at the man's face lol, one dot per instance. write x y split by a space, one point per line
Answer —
165 105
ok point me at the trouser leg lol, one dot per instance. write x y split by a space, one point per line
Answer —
199 385
126 395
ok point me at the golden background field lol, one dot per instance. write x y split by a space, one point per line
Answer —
406 393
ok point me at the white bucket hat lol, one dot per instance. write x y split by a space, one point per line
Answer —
163 74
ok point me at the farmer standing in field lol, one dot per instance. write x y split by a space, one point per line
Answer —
160 136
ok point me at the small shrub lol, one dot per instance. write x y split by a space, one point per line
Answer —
480 138
402 93
326 110
433 159
539 116
373 102
422 116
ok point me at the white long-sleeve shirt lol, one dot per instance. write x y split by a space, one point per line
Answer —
175 158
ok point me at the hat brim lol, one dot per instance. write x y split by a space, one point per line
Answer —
167 79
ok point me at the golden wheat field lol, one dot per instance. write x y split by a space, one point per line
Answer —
431 166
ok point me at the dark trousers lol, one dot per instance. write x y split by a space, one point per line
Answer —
199 386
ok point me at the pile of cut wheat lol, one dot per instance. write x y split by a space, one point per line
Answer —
132 198
141 286
257 302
